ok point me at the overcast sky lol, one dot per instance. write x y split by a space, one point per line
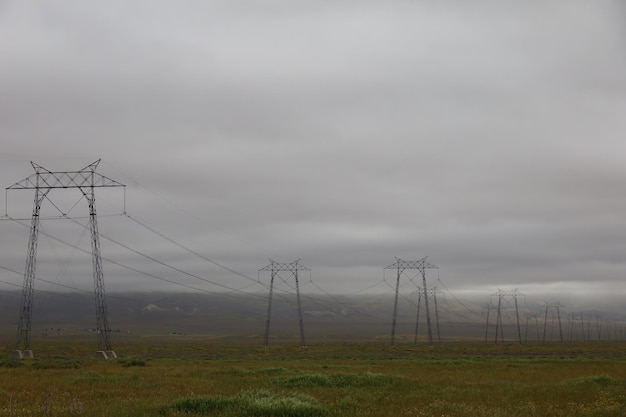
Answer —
488 136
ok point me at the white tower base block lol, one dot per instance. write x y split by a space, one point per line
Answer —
106 354
22 354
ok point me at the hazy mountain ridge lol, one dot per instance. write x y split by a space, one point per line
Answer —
323 315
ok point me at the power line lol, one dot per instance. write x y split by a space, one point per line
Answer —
246 295
456 299
345 304
220 265
69 287
320 302
156 232
140 271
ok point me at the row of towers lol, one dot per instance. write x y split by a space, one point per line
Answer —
86 180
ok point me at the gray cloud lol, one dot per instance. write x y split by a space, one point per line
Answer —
488 137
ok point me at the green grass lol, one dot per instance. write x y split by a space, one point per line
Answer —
57 363
252 404
188 377
336 380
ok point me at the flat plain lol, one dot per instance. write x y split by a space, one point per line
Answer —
193 376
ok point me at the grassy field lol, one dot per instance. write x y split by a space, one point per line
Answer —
181 376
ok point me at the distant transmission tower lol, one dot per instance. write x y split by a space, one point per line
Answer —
400 266
489 308
575 322
555 307
502 297
528 317
274 269
43 181
433 294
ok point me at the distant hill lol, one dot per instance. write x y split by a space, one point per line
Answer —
325 317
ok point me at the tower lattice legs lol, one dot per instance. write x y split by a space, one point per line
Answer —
266 336
300 322
22 345
102 316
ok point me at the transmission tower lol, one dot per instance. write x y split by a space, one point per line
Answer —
575 322
433 294
504 296
43 182
598 327
528 317
554 307
400 266
274 269
489 308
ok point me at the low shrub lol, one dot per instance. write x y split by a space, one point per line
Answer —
133 362
271 371
11 363
57 364
595 380
202 405
336 380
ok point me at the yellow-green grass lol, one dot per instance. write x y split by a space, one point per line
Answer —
195 376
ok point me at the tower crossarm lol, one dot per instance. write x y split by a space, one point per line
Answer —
420 264
509 293
46 179
290 266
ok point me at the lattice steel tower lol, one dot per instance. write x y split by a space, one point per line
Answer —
43 181
503 296
275 268
555 307
430 293
421 265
